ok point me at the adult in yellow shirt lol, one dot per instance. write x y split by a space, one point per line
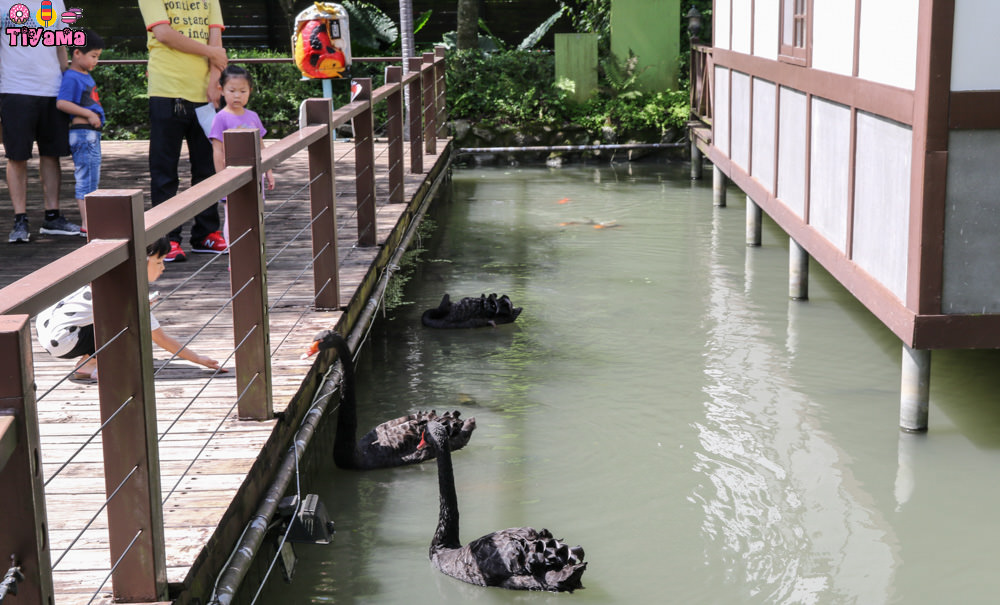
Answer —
184 38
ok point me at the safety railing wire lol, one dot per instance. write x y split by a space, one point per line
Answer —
198 271
216 372
81 364
295 237
115 566
87 442
201 450
198 332
293 195
94 518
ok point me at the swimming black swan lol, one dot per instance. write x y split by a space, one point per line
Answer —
392 443
471 312
519 558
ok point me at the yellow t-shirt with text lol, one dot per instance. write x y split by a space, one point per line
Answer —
173 73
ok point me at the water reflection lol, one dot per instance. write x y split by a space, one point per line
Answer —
792 532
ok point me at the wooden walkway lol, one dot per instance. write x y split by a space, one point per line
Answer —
205 451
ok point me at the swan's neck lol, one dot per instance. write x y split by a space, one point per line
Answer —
345 441
447 530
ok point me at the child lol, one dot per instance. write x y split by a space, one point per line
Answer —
78 97
237 84
66 330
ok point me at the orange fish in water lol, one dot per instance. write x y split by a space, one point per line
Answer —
565 200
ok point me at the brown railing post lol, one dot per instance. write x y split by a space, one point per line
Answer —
323 207
441 98
430 108
127 400
394 103
22 507
416 117
364 164
248 278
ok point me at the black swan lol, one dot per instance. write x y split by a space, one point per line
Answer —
392 443
519 558
471 312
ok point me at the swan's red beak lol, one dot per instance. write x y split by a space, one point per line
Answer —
313 349
423 440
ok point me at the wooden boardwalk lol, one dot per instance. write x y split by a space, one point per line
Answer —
205 451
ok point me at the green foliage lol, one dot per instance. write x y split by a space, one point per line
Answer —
371 29
516 88
278 91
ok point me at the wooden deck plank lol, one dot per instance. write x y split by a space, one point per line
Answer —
193 407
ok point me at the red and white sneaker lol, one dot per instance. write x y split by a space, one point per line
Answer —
176 254
213 244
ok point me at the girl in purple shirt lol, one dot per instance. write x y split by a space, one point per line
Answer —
237 84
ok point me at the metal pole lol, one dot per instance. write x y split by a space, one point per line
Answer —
754 220
719 183
914 395
695 159
798 271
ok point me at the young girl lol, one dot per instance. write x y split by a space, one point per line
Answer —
237 84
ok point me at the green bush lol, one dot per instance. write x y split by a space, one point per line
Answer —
516 88
278 91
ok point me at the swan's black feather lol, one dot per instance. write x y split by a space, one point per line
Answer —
471 312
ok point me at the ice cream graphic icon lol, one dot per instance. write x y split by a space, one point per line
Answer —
46 16
19 14
71 15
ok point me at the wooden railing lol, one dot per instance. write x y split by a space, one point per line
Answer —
113 262
702 97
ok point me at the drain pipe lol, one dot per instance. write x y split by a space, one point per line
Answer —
253 535
551 148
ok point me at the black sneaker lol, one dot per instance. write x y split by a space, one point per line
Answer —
59 226
20 231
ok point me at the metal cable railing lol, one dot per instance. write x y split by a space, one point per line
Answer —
81 364
94 518
201 450
88 441
115 566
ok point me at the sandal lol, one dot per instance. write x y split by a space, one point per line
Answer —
84 378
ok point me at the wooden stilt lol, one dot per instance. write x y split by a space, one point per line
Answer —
914 391
719 182
754 220
798 271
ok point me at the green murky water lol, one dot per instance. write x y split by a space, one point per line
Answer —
663 404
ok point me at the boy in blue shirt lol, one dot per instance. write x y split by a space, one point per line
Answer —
78 97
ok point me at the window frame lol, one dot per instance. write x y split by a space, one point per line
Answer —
792 52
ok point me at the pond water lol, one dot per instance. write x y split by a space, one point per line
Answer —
662 403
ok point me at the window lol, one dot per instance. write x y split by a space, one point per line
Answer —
796 27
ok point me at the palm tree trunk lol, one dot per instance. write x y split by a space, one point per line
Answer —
468 24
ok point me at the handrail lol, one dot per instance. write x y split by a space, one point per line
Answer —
112 262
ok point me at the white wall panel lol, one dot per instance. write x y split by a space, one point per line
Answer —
829 160
720 23
762 146
792 150
741 26
882 200
887 50
765 28
720 123
740 116
833 36
976 45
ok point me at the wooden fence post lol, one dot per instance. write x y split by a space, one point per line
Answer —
364 164
394 102
441 100
323 206
128 405
22 507
430 108
248 278
416 117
